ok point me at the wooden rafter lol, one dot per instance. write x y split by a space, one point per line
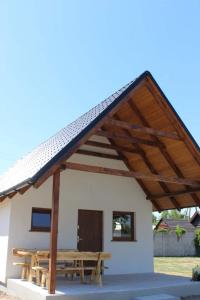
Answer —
85 138
151 168
139 175
3 198
130 168
11 195
170 115
112 147
163 150
24 189
178 193
117 136
142 129
98 154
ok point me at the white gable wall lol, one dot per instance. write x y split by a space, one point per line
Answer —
5 209
81 190
20 223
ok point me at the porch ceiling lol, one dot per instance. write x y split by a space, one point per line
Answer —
147 135
159 144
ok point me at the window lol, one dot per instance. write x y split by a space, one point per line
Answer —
123 226
41 219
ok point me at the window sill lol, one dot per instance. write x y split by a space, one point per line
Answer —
40 230
123 240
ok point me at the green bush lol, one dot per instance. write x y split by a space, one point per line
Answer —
196 273
180 231
197 242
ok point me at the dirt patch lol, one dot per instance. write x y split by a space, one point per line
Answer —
4 296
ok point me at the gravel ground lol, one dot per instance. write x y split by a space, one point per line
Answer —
4 296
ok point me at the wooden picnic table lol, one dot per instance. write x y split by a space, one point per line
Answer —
30 260
69 261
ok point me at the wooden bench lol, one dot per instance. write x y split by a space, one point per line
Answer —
29 261
25 269
25 266
71 263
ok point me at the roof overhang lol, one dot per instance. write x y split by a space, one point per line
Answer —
149 137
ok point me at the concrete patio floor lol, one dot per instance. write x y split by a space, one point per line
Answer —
123 287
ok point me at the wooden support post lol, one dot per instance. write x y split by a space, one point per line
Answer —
54 232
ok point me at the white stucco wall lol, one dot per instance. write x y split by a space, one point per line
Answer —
81 190
4 235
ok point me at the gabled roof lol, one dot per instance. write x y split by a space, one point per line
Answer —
140 123
31 166
171 224
195 220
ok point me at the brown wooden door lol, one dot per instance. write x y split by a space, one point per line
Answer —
90 230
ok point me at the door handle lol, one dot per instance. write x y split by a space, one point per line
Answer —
79 239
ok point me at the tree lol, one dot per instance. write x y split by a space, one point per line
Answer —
165 214
173 214
154 219
177 215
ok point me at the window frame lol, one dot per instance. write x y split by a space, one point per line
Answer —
40 210
132 238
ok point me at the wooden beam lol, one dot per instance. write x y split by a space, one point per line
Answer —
98 154
188 206
178 193
162 184
80 141
112 147
132 140
139 175
139 181
54 232
151 168
170 114
3 197
24 189
163 150
11 195
142 129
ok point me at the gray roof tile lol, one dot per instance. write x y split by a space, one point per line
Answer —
28 167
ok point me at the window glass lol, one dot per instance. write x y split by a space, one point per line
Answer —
41 219
123 225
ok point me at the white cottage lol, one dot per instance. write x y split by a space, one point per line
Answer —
93 185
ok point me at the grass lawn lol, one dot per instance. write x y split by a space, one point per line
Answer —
181 266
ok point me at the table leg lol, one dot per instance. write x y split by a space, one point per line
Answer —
81 272
33 264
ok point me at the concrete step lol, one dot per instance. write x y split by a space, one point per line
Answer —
158 297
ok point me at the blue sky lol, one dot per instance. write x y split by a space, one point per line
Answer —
60 58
